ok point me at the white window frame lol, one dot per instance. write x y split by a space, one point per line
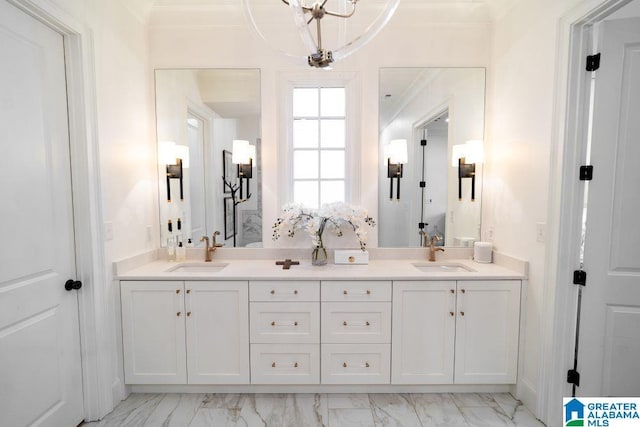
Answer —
321 79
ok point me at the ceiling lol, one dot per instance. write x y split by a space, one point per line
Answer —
494 8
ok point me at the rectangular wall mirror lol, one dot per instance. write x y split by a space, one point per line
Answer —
199 114
439 195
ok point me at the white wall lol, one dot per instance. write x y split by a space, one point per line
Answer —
178 37
520 104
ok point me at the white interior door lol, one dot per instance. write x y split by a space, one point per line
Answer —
609 346
40 372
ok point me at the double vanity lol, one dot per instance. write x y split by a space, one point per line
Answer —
392 325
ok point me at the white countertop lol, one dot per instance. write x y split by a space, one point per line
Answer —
378 269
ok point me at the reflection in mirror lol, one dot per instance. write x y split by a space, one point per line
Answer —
445 108
199 114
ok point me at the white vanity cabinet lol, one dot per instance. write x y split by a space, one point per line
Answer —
178 332
153 332
285 331
449 332
356 332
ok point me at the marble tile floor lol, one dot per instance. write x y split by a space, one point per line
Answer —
302 410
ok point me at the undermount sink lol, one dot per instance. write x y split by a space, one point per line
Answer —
442 268
198 267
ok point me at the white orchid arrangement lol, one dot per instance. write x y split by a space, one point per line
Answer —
331 216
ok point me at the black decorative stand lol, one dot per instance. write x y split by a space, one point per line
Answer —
234 188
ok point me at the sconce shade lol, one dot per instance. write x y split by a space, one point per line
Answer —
474 151
166 152
241 154
397 151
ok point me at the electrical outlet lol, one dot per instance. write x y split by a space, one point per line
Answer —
490 233
541 232
108 231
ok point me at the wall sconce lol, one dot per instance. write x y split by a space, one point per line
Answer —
471 152
243 155
396 154
168 153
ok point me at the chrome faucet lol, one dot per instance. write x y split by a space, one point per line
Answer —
424 238
433 249
210 248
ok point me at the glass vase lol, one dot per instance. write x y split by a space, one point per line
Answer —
319 256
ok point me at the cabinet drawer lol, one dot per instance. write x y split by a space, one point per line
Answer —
285 322
347 322
356 363
285 363
356 290
295 290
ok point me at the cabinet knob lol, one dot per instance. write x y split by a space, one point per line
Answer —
344 323
295 292
451 313
463 291
178 313
345 292
368 292
295 365
452 291
295 323
462 313
188 313
273 365
188 291
366 364
367 323
273 292
344 365
273 323
177 291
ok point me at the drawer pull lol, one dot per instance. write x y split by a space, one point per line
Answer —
452 313
178 313
452 291
177 291
367 292
188 291
293 324
462 313
463 291
295 365
273 292
365 323
188 313
366 364
344 364
273 365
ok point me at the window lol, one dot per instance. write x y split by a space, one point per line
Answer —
319 145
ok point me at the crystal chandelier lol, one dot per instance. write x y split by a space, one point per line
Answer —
305 12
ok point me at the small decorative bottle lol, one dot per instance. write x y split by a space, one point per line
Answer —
181 252
171 243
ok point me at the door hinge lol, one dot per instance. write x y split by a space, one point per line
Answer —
573 377
586 173
580 277
593 62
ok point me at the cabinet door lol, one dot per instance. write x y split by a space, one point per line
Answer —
488 319
423 332
217 316
153 332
